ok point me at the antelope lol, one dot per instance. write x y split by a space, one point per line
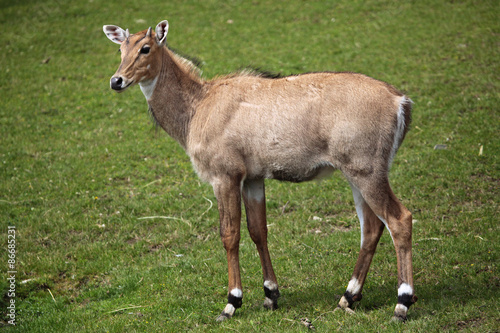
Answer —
241 129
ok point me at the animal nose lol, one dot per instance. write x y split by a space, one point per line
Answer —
116 83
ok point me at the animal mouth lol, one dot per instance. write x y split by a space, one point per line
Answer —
118 84
125 87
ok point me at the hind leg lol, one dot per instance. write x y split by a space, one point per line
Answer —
371 231
398 220
378 194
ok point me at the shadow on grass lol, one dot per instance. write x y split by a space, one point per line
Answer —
445 297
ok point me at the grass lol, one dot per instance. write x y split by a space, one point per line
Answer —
81 168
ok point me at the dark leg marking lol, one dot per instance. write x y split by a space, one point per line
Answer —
273 296
234 301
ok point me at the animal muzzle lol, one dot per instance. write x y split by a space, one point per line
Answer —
119 84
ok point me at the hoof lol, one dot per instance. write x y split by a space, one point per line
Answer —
400 313
345 305
398 319
227 313
223 316
346 310
349 311
270 304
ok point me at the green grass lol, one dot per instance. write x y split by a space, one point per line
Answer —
80 165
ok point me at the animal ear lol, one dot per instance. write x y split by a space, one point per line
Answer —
161 32
115 34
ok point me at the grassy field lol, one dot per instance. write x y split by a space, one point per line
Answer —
83 171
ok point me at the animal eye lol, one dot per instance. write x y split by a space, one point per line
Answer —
145 49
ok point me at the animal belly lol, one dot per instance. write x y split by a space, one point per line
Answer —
297 175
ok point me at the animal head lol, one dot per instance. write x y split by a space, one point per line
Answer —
140 53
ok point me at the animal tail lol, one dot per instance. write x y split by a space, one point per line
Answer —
403 121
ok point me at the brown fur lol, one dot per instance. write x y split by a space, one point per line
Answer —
243 128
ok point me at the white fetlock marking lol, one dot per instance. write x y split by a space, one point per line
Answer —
229 309
405 288
236 293
354 287
270 285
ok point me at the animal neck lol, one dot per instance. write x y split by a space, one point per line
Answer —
173 95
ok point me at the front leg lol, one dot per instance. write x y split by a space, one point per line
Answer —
228 193
254 198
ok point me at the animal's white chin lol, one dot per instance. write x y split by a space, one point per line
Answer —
126 85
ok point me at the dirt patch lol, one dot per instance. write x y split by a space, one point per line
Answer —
155 247
131 241
466 324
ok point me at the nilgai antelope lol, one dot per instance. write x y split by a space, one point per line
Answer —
243 128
